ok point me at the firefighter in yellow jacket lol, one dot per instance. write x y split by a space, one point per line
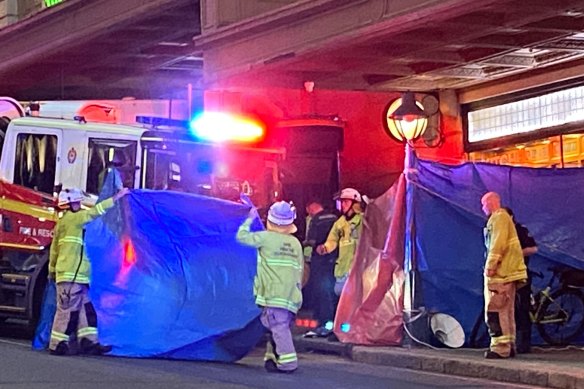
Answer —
277 285
504 270
69 267
345 235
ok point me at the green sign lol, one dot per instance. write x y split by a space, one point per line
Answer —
50 3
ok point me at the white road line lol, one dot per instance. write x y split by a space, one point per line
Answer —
15 343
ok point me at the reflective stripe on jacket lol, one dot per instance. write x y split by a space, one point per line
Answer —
344 235
68 242
278 281
504 253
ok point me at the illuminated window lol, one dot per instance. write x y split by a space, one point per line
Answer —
36 162
552 109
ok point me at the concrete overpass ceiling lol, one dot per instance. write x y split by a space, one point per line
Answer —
462 45
133 48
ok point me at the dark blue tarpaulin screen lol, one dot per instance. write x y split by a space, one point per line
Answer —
169 279
449 225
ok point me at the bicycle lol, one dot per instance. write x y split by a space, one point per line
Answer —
558 312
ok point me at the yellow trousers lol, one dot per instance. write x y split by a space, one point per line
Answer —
500 316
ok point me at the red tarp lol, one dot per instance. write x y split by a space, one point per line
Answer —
370 311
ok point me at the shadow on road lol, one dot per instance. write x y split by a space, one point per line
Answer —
16 330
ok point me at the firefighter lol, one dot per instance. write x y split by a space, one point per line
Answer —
277 285
504 271
345 235
68 266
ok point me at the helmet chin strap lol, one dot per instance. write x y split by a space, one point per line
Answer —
350 213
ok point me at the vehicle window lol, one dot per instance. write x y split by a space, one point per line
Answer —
106 153
212 171
36 161
163 171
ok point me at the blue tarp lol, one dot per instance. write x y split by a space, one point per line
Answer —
169 279
449 224
42 334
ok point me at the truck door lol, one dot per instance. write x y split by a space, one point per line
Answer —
30 169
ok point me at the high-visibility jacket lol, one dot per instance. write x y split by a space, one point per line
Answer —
278 282
317 233
504 253
65 259
344 235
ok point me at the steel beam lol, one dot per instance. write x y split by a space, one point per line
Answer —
70 24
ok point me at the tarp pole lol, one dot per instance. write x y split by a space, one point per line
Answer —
410 266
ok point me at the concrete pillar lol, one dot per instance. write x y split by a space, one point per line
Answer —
8 12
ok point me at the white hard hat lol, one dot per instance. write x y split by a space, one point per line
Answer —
349 194
71 195
282 213
281 217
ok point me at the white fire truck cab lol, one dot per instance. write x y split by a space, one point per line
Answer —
40 155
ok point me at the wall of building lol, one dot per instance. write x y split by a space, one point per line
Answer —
11 11
221 13
8 12
371 160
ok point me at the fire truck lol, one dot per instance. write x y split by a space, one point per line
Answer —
299 160
41 155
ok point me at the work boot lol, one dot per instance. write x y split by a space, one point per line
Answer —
61 349
493 355
93 348
320 332
272 367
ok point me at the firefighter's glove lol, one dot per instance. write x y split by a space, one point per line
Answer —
253 213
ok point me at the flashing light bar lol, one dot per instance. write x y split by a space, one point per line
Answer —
156 121
222 127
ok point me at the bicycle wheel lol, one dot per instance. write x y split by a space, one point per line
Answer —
561 318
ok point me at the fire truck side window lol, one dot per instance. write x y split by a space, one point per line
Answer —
163 171
106 153
36 161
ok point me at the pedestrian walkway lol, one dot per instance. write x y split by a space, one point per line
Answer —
554 368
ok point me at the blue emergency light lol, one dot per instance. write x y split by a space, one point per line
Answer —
162 122
222 127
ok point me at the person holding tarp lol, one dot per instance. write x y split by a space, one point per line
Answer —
345 235
69 267
505 270
278 282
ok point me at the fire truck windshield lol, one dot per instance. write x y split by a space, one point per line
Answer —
223 171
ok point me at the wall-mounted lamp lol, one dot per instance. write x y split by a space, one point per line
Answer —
405 119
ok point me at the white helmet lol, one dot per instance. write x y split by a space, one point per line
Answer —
349 194
68 196
282 213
